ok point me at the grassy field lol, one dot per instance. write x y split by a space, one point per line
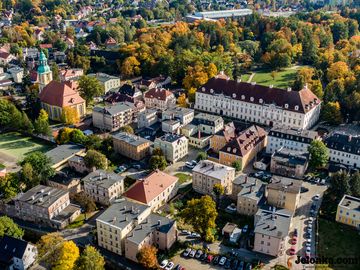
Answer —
16 146
283 78
337 240
183 177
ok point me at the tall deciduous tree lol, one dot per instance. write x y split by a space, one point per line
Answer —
90 87
9 227
201 214
69 116
95 159
90 259
331 113
40 166
319 154
41 124
47 247
127 129
157 162
147 257
218 190
130 67
66 256
338 70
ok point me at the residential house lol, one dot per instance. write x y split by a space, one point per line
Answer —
244 147
170 126
283 192
77 163
104 187
61 154
69 74
154 190
231 232
67 180
272 228
297 140
131 146
207 173
5 58
159 98
17 74
113 117
183 115
16 253
344 149
147 118
110 43
110 83
260 104
174 146
289 163
157 82
221 138
348 211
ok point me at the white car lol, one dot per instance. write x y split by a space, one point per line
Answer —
186 252
169 266
316 197
163 264
192 253
189 165
222 261
308 243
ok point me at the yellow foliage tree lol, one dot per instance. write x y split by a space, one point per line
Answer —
212 70
182 101
70 116
338 70
147 257
47 247
66 257
130 67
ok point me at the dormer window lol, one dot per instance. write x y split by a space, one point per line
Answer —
296 108
286 106
234 95
261 101
203 89
251 99
242 97
211 91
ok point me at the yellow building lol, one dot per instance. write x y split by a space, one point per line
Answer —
244 148
220 139
131 146
348 211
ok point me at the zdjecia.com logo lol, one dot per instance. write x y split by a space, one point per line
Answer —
329 261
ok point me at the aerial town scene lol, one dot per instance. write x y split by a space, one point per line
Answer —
179 134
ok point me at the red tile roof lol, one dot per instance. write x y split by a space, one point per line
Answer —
60 94
45 46
4 55
148 189
161 94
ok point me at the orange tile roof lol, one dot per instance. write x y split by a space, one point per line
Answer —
149 188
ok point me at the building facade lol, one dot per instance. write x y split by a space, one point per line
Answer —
131 146
161 99
208 173
114 117
259 104
348 211
173 146
147 118
110 83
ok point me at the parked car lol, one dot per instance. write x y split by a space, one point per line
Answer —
195 235
120 169
295 233
187 252
294 240
234 264
209 258
241 266
203 257
316 197
189 165
216 260
194 162
163 264
192 253
178 267
198 254
308 235
137 166
308 243
169 266
185 232
259 174
323 182
292 250
244 230
227 264
222 261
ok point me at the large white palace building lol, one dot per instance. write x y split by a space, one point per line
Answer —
259 104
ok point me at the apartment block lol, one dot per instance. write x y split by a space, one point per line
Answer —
208 173
183 115
112 118
130 145
110 83
103 187
147 118
174 146
348 211
161 99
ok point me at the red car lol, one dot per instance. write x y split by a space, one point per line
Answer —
292 250
209 258
294 240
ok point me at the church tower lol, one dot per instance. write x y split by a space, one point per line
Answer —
44 72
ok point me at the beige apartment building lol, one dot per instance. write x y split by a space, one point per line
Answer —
103 187
126 226
43 205
348 211
154 190
114 117
208 173
283 192
174 146
67 180
130 145
109 82
271 231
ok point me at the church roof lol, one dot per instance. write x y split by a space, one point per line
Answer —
43 66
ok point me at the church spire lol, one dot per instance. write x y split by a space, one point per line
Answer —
44 71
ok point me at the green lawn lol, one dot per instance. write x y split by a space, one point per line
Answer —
245 77
338 240
183 177
17 146
283 79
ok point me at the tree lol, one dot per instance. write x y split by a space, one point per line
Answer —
340 31
337 70
218 190
309 47
85 201
355 184
93 142
319 154
95 159
157 162
41 168
47 247
201 156
41 125
77 136
89 87
339 184
237 165
331 113
147 257
9 227
157 152
130 67
67 255
127 129
55 72
9 185
90 259
181 101
63 135
201 214
69 116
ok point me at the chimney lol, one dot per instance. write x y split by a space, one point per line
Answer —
159 222
245 179
251 189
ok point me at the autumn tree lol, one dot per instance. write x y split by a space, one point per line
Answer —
337 70
95 159
41 124
10 228
157 162
127 129
63 135
147 257
66 256
86 202
90 87
201 156
70 116
201 214
90 259
10 185
218 190
181 101
319 154
331 113
47 247
130 67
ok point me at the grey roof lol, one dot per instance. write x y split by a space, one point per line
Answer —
63 152
130 138
344 143
11 247
304 136
40 195
178 111
171 122
103 77
212 169
285 184
122 213
207 119
350 202
103 178
169 137
290 158
113 109
251 187
151 223
273 223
